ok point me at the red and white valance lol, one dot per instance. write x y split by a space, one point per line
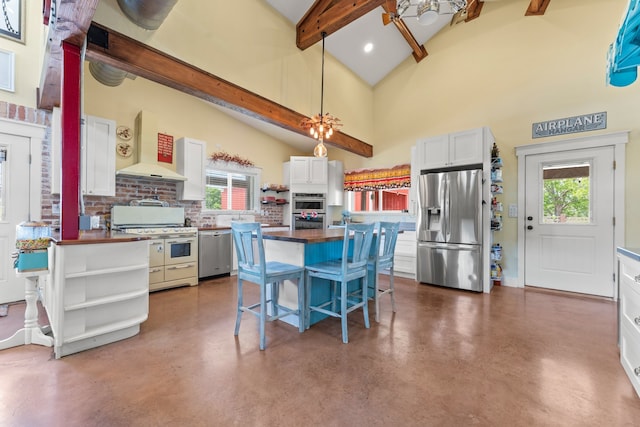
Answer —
378 179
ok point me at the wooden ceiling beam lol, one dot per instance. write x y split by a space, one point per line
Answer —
537 7
474 7
70 24
329 16
419 52
137 58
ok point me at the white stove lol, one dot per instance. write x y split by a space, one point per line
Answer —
173 248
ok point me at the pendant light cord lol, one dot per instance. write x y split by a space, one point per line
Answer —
322 81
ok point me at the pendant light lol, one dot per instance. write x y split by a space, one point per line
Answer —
321 126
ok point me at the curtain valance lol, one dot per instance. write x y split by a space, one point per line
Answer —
378 179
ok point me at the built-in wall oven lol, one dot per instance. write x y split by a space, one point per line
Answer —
173 248
308 211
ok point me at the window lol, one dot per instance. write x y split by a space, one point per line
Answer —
376 190
395 199
231 188
566 193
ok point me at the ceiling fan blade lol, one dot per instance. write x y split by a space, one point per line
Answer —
458 17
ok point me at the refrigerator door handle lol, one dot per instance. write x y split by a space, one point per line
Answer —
455 246
447 204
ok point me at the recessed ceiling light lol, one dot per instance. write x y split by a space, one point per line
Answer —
368 47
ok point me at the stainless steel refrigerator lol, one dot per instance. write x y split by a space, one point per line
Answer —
449 229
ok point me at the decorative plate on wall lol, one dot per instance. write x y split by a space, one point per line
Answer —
124 133
124 149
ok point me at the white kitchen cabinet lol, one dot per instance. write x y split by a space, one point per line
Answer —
335 187
454 149
99 293
405 255
191 163
308 170
98 156
629 315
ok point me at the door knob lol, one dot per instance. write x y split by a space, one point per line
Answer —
529 218
529 227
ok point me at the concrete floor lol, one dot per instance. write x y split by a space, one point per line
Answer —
447 358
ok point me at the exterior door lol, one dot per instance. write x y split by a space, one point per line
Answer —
569 210
14 208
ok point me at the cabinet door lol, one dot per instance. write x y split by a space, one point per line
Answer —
190 162
335 192
433 152
299 170
318 170
465 148
99 156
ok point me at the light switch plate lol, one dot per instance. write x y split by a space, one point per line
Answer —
513 211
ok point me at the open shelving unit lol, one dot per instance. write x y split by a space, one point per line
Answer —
277 190
496 215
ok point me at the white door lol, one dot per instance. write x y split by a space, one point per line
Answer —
569 239
14 208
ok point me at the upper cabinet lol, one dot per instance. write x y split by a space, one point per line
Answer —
454 149
335 187
308 174
98 156
190 162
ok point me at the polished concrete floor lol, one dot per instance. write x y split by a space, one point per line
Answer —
446 358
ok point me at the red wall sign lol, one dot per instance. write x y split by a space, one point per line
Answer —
165 148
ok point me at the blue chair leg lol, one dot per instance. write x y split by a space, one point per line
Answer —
393 290
263 316
239 314
301 305
307 303
365 301
275 291
343 311
376 293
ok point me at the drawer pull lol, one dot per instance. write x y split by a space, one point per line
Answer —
637 371
637 320
637 278
178 267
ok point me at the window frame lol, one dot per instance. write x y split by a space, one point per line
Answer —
230 168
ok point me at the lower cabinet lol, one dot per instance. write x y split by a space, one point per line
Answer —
405 255
98 293
629 318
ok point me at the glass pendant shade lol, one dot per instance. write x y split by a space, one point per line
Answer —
320 150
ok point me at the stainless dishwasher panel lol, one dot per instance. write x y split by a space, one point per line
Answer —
214 253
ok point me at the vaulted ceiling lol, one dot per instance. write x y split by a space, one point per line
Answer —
74 18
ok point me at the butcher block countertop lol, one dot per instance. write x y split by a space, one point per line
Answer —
97 236
305 236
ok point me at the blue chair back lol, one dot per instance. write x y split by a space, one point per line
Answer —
361 236
247 237
386 242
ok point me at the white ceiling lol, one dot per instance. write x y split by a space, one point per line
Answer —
347 44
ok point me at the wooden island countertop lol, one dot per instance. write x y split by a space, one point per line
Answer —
305 236
97 236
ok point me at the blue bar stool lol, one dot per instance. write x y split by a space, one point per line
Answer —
340 272
382 259
248 238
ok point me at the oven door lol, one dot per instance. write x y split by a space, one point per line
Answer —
308 202
179 250
305 223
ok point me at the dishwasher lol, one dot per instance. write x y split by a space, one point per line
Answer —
214 253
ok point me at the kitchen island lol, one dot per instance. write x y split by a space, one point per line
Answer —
98 289
303 247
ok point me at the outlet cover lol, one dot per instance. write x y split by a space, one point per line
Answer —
513 211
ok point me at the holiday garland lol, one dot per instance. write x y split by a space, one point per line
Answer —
232 158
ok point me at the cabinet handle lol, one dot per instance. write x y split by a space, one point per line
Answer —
155 270
180 266
637 278
637 371
637 320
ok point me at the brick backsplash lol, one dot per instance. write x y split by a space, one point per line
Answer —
127 188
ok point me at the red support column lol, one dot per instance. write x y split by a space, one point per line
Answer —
70 115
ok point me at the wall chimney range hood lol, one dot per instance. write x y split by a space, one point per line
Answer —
147 152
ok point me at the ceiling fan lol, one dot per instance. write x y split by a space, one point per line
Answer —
426 11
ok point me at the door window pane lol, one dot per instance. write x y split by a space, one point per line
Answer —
566 193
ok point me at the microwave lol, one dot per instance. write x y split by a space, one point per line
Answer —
308 202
